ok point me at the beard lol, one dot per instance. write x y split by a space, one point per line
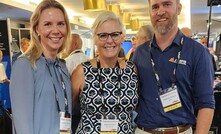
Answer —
163 28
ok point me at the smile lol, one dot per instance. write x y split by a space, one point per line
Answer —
161 20
55 38
110 48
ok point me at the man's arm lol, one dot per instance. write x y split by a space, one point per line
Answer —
204 120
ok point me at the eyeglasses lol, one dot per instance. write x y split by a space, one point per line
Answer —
115 36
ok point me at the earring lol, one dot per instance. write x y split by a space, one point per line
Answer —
38 34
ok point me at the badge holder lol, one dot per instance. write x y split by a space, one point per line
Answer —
65 123
170 99
109 126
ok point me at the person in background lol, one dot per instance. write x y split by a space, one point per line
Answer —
186 31
23 47
122 53
216 67
176 77
203 41
3 79
144 34
106 85
76 55
215 59
131 51
3 76
40 87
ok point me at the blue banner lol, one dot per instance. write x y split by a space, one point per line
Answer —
4 46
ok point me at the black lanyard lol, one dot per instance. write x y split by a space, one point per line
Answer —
67 114
104 109
79 51
173 79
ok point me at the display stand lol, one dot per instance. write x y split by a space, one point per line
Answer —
216 124
211 3
217 113
5 40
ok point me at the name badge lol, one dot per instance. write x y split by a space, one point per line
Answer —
65 124
170 99
109 126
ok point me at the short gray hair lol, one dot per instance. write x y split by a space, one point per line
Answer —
146 31
103 17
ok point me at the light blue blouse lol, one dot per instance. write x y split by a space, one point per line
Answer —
32 94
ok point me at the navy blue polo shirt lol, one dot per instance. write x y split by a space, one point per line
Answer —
194 82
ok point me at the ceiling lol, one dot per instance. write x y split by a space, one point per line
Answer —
198 9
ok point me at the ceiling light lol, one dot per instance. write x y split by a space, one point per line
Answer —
128 26
86 20
71 13
185 16
134 24
126 18
114 8
94 5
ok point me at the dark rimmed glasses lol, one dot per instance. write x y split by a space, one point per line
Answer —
115 36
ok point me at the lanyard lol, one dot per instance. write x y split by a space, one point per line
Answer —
173 79
67 114
78 52
104 109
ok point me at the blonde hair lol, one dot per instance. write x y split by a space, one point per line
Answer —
24 44
24 39
35 50
103 17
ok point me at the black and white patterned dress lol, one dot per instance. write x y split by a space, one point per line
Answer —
90 97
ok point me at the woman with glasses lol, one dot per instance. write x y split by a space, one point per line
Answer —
106 85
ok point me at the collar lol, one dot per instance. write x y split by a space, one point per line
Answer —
77 50
176 40
178 37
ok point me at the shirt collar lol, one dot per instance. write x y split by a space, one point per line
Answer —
176 41
178 37
75 51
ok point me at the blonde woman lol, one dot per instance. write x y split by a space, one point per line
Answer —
40 87
107 84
